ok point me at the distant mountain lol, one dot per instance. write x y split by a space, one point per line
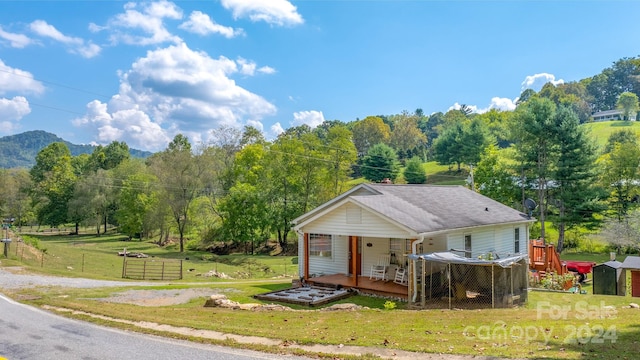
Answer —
20 150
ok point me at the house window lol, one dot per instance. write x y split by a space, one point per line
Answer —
516 240
467 246
396 246
320 245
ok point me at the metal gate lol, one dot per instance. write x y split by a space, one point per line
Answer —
152 269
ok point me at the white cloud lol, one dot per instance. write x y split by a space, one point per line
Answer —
18 41
42 28
175 90
536 81
277 129
274 12
267 70
256 124
142 24
12 111
201 24
246 67
312 118
129 125
76 45
458 106
503 104
19 81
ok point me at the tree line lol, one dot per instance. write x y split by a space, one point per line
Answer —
243 189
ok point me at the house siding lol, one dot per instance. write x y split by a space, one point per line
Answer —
337 263
370 224
371 254
499 240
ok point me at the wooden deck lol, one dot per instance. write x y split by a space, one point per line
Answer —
366 285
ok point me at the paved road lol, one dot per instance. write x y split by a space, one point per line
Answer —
33 334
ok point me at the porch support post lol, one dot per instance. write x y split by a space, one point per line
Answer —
493 290
305 256
354 259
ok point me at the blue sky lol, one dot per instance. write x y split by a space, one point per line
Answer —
142 72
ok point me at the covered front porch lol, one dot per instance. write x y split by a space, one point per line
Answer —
363 284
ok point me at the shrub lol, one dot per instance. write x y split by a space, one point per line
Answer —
389 305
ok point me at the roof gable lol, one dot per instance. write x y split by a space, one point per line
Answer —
425 208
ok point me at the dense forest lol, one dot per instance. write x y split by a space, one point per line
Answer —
243 189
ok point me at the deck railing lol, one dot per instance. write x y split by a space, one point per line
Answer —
544 257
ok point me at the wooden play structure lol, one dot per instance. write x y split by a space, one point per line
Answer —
543 258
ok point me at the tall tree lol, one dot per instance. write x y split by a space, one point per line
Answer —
620 137
283 185
406 138
15 185
340 154
494 177
414 171
619 171
179 176
369 132
536 129
53 180
381 163
579 201
475 138
628 103
447 147
138 203
245 208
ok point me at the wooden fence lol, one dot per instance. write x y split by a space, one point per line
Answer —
151 269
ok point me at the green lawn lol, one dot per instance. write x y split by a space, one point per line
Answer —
600 131
552 325
97 257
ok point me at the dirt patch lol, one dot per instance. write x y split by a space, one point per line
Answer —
162 297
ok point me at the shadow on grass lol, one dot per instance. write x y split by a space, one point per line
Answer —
609 343
621 123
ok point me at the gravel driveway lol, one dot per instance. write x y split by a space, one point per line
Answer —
18 278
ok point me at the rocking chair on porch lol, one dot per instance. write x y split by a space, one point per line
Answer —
379 270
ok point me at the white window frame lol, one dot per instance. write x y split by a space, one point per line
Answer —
321 245
516 240
467 245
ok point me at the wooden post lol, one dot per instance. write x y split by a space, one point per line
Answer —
305 256
354 259
493 290
124 263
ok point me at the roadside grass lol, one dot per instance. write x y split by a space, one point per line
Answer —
551 325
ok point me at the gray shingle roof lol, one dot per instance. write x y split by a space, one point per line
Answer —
429 208
631 262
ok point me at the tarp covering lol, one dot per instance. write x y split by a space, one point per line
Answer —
447 257
581 267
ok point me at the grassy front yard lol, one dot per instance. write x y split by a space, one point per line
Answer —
552 325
